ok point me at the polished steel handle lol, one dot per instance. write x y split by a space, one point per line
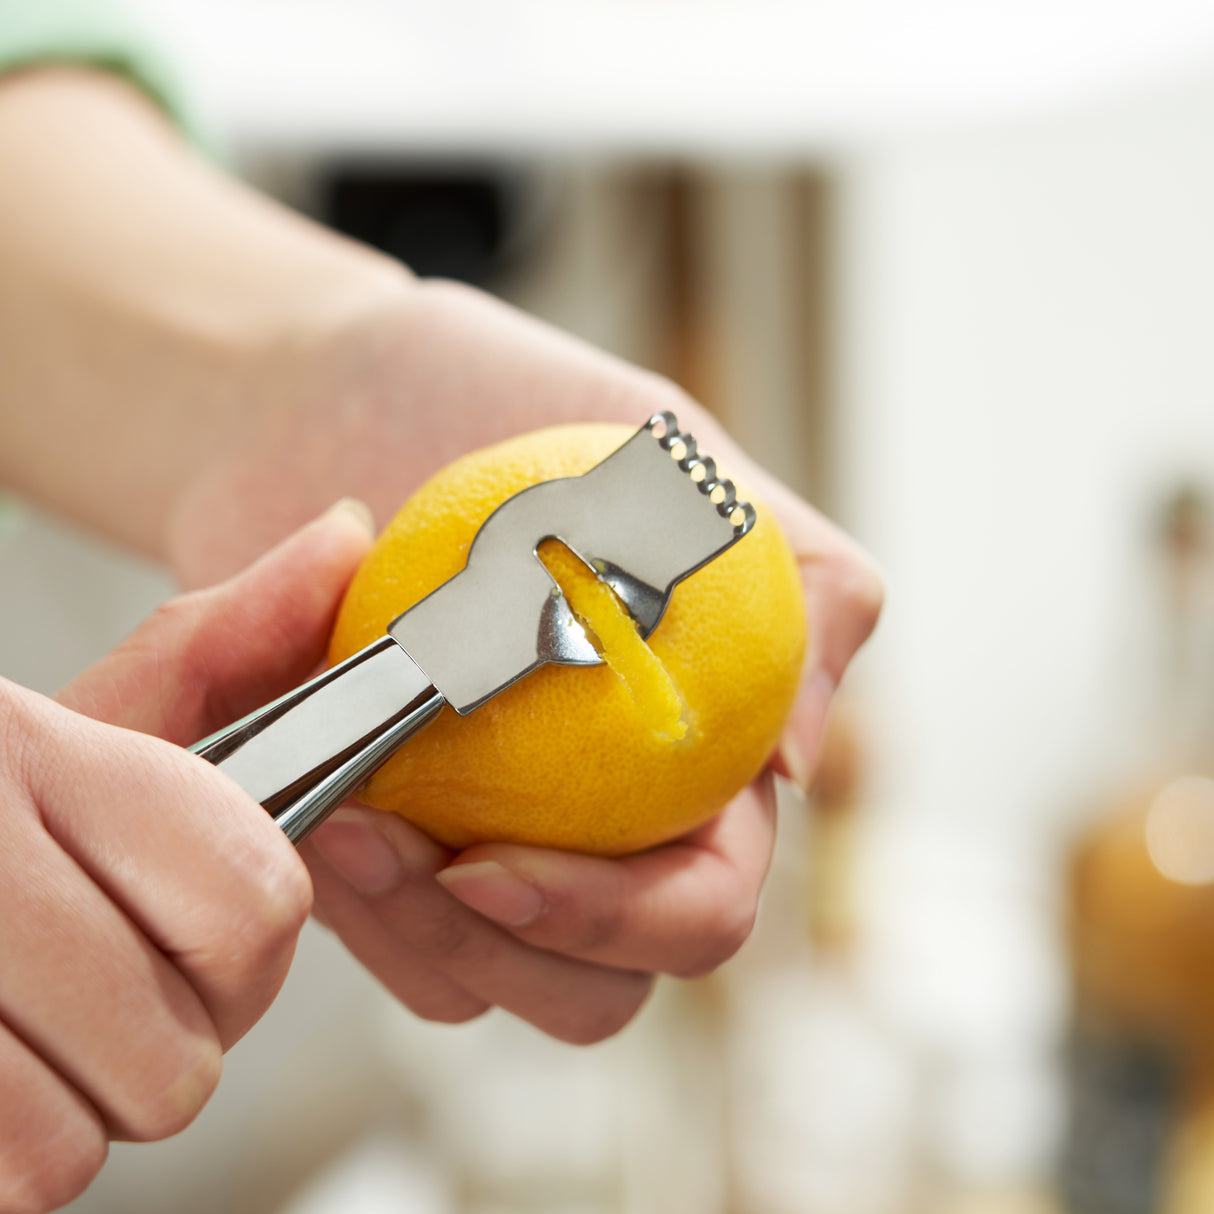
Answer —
303 754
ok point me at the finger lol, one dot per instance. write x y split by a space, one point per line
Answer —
680 909
206 659
420 985
52 1141
843 599
844 591
201 870
391 866
86 991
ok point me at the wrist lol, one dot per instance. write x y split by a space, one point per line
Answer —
295 426
241 394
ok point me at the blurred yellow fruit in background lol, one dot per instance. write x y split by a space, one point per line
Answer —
604 759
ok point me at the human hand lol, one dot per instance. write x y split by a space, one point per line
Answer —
255 368
573 944
148 907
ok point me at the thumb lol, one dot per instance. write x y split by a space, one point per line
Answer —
206 659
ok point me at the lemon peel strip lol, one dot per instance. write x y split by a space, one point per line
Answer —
614 634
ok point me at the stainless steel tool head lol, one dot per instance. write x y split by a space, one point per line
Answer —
643 519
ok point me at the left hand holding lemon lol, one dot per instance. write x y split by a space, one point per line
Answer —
567 941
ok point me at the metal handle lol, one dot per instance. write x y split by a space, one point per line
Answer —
303 754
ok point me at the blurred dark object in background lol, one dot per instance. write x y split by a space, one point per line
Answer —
1141 919
1124 1115
445 222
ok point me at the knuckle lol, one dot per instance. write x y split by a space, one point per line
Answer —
51 1181
866 593
594 919
434 996
273 904
173 663
860 592
730 931
175 618
597 1020
240 949
284 903
10 714
168 635
599 933
18 731
176 639
442 937
443 941
172 1095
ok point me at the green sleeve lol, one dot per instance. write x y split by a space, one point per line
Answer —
100 34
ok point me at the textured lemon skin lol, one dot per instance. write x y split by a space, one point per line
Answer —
615 635
563 758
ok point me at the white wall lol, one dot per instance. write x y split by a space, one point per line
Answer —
1027 336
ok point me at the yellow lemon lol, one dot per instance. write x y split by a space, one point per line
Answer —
604 759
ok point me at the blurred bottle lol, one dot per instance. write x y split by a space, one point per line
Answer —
1141 925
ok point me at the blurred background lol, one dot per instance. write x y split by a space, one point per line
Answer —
947 268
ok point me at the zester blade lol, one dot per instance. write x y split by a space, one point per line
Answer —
649 515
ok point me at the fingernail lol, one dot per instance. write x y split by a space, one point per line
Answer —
495 892
356 509
360 855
